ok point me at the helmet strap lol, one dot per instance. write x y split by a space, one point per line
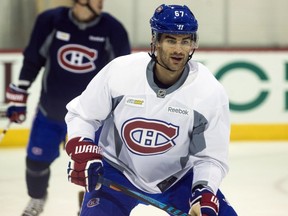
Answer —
88 6
154 58
190 56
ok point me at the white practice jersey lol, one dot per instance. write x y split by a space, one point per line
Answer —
151 134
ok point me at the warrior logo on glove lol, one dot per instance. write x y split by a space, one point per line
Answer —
88 149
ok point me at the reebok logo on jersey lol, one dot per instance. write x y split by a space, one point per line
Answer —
178 111
62 36
97 39
134 102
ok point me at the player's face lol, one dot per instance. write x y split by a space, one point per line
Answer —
173 50
97 5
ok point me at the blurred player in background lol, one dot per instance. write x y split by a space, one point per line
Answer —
73 44
166 126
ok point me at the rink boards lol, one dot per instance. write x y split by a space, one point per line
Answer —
256 82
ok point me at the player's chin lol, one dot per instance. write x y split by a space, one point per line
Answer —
176 65
176 68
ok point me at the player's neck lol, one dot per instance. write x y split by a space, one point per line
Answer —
165 77
82 14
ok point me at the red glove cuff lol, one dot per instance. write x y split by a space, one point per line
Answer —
209 200
209 203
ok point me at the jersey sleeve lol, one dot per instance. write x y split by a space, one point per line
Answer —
34 58
211 163
87 111
119 39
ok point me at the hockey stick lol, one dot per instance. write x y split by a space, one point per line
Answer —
2 114
4 131
148 200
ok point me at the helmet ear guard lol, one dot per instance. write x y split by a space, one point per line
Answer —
194 38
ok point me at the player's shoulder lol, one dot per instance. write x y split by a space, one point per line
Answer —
198 67
130 63
204 75
137 57
54 13
109 17
111 20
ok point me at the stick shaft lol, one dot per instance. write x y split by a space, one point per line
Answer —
148 200
4 131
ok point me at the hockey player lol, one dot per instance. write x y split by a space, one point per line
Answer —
165 126
73 44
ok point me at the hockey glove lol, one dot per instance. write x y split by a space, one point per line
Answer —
86 164
203 202
17 99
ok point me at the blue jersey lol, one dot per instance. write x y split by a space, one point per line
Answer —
72 53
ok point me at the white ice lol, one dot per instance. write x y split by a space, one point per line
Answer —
257 184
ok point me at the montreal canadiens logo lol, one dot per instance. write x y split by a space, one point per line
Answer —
76 58
93 202
148 137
